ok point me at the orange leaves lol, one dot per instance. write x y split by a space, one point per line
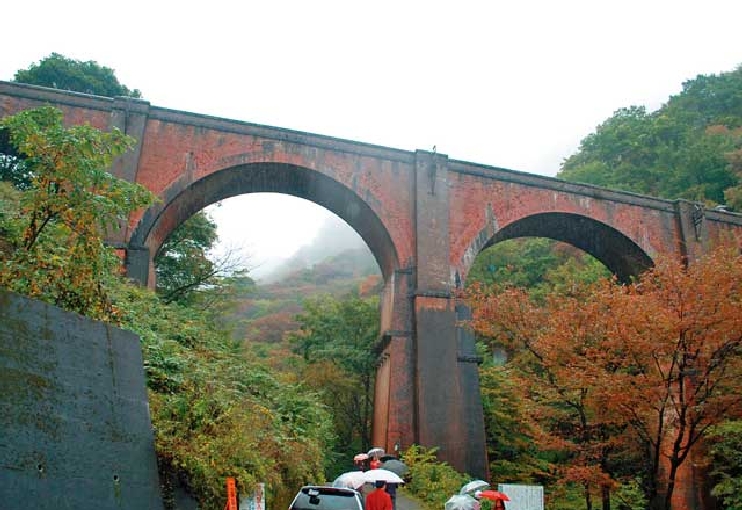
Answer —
653 363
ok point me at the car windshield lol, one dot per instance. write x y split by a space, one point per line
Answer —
320 499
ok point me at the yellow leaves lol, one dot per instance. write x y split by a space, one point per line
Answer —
63 207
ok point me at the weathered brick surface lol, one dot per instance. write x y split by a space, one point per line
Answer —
75 429
485 204
425 218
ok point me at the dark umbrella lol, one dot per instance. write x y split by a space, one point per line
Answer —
396 466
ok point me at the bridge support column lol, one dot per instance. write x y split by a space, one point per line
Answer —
139 265
449 411
395 402
129 115
471 398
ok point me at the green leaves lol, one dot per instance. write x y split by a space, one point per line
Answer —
429 479
337 339
675 152
59 72
67 208
541 265
219 414
726 462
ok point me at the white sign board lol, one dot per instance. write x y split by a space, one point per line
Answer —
256 501
523 497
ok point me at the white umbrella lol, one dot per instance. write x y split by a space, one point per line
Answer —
474 485
351 480
376 452
375 475
462 502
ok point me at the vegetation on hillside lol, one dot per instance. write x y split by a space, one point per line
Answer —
216 412
337 339
689 148
58 253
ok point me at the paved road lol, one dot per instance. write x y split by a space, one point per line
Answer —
405 502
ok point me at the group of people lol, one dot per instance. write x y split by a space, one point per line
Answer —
364 464
384 495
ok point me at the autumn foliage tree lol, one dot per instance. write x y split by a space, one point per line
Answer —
70 196
641 370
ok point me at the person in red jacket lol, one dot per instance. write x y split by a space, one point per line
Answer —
375 463
379 499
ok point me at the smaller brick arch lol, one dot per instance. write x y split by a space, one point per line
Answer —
622 256
183 199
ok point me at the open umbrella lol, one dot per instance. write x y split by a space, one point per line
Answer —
375 475
360 456
474 485
462 502
396 466
351 480
492 495
376 452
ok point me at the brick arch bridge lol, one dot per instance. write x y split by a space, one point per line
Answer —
425 218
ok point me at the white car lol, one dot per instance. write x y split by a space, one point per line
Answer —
316 497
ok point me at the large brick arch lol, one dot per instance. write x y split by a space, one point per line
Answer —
182 199
620 254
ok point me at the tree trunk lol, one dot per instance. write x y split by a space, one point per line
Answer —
670 485
588 499
605 494
366 434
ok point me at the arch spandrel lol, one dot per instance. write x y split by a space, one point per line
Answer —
182 199
176 155
620 254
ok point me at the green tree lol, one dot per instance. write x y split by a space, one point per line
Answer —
189 273
538 264
726 462
511 451
344 332
182 263
71 197
674 152
218 413
430 479
12 166
59 72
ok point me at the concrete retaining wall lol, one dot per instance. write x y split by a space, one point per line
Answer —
75 430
